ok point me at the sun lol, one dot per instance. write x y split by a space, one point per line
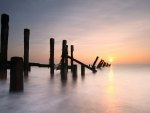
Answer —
110 59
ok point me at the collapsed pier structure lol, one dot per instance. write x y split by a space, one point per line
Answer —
20 66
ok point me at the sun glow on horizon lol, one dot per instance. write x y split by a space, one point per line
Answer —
110 59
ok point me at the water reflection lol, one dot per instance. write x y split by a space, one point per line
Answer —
105 92
63 83
111 92
110 84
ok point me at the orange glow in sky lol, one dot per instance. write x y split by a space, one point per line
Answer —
115 30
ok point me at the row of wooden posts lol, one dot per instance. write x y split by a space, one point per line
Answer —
19 67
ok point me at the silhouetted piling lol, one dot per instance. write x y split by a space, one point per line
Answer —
104 64
4 45
26 51
93 66
16 74
107 64
82 70
52 56
66 58
74 71
63 61
72 49
100 63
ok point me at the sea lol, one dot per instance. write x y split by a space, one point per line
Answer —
115 89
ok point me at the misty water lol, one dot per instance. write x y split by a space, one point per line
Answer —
118 89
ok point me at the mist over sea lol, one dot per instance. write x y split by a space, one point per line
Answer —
118 89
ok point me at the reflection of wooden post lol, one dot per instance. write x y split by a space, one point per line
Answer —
16 74
72 49
63 61
4 45
82 70
93 66
26 51
74 71
52 56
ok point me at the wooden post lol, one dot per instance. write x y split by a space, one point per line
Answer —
74 71
66 58
4 45
99 65
72 49
93 66
63 61
82 70
16 74
26 51
52 56
104 64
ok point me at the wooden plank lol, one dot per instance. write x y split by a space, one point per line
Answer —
59 67
39 65
77 61
31 64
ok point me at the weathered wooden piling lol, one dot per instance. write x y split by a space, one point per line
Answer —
82 70
66 58
74 71
26 51
52 41
99 64
4 45
72 49
93 66
16 74
104 64
63 61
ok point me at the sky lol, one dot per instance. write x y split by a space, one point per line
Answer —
116 29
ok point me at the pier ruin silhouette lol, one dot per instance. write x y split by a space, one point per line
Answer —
20 66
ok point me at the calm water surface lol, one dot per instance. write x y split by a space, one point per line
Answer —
119 89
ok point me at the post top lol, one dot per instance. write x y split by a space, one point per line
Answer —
26 30
51 38
17 58
4 19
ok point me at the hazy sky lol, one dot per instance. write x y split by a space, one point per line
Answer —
106 28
